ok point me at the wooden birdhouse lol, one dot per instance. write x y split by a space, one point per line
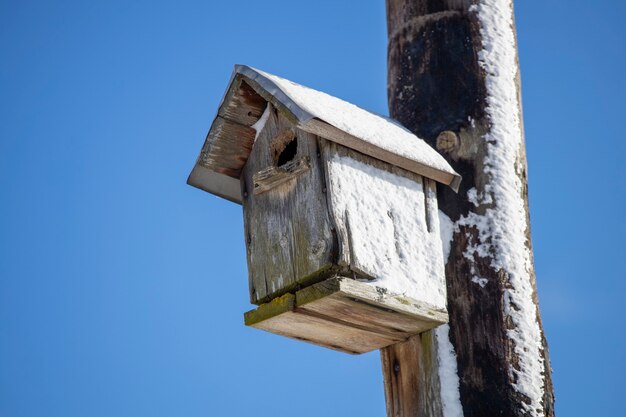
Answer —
340 213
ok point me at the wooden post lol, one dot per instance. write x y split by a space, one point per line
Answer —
453 79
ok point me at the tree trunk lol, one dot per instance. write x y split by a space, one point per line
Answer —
453 79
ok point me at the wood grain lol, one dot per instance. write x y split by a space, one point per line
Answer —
346 315
242 104
272 176
289 235
226 147
411 380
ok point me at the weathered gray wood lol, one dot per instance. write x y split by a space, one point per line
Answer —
322 332
345 315
375 296
226 142
288 230
214 183
435 85
272 176
320 128
364 316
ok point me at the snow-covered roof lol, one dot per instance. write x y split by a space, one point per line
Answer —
232 134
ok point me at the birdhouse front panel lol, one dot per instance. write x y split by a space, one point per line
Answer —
288 230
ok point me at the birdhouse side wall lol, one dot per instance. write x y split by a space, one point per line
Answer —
387 225
289 237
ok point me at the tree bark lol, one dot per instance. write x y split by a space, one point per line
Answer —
452 67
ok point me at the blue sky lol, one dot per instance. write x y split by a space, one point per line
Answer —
122 289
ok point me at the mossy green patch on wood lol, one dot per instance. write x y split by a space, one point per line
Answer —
427 350
274 308
324 274
339 308
317 291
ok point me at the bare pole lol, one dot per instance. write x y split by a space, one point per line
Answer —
453 79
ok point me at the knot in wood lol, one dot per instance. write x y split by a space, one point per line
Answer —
447 141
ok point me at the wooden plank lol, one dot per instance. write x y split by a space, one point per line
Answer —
242 104
276 307
272 176
398 398
288 229
229 142
323 333
227 147
282 317
365 304
285 108
324 311
334 134
361 314
346 315
373 295
403 363
214 183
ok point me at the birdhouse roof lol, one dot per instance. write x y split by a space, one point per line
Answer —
232 134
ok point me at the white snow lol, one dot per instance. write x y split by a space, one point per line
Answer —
502 229
380 131
448 375
480 281
389 238
446 231
260 124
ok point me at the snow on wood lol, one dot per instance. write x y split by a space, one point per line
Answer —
241 118
448 374
480 281
446 227
382 132
260 124
503 227
388 235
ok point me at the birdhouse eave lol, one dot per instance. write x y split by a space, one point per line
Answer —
215 183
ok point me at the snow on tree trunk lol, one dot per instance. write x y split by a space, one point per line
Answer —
453 68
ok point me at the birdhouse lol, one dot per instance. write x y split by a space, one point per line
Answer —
340 213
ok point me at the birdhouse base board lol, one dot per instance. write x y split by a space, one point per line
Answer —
345 315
